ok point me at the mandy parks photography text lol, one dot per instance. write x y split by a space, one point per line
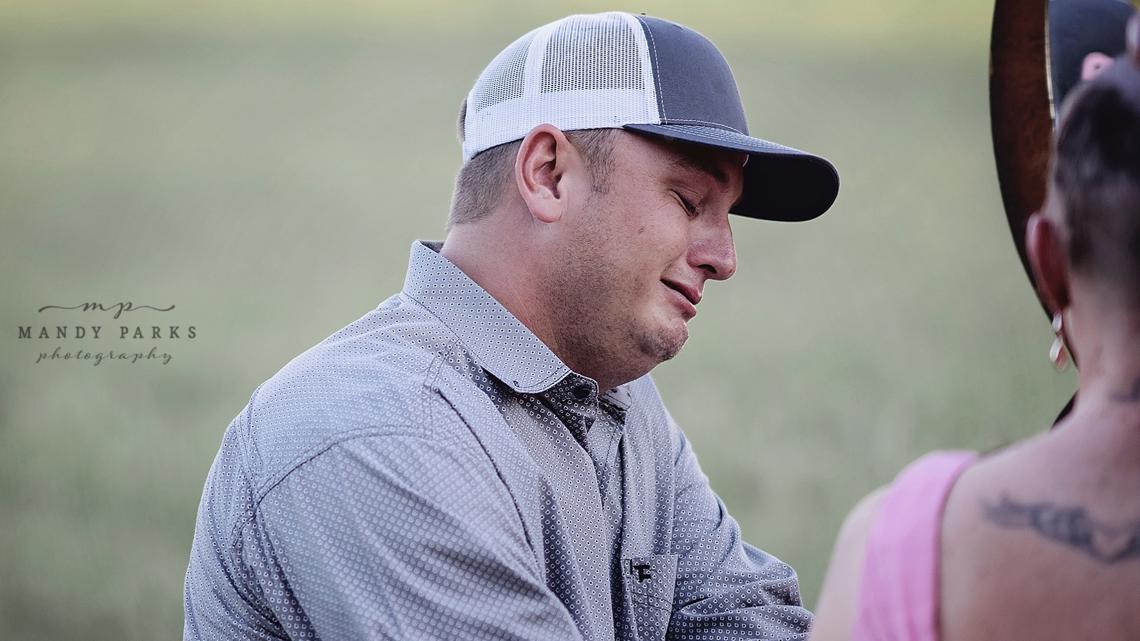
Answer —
97 358
124 332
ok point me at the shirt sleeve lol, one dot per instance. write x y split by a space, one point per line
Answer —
726 588
401 537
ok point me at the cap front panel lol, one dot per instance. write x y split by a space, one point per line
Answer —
694 82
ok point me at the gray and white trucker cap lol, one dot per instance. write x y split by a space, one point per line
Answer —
647 75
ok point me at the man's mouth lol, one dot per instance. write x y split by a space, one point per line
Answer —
691 294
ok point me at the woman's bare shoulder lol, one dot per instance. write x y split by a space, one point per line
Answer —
1025 532
835 611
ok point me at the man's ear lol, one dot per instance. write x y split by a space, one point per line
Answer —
544 159
1045 245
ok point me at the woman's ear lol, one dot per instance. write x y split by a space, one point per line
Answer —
1045 245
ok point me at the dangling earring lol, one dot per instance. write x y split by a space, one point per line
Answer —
1059 352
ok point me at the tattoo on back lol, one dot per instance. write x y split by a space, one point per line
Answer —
1071 526
1131 396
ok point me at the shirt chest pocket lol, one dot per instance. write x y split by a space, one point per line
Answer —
649 583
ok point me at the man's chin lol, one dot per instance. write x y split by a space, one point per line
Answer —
668 343
673 351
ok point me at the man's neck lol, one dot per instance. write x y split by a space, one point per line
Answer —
504 272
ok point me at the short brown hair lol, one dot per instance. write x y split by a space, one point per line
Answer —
482 181
1096 175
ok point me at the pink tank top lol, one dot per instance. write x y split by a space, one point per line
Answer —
898 594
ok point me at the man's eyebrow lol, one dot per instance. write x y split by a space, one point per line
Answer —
702 164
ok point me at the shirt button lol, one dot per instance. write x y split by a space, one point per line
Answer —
582 391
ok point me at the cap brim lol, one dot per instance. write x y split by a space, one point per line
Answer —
780 183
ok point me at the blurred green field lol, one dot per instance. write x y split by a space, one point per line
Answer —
265 167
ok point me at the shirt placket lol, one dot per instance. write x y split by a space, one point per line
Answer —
597 426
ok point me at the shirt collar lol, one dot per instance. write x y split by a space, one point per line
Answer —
498 341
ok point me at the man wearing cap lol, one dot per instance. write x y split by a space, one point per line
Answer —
484 456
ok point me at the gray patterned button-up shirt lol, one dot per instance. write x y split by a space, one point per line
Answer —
434 471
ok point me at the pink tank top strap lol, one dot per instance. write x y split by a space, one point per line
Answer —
898 594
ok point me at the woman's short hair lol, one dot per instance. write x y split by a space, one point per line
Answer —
1096 176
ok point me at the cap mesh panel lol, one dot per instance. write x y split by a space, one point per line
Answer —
581 72
503 79
591 54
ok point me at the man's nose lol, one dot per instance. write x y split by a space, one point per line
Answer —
713 251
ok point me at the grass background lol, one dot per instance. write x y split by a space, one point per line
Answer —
264 166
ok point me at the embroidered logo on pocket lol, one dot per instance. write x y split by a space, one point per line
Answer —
641 571
649 584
